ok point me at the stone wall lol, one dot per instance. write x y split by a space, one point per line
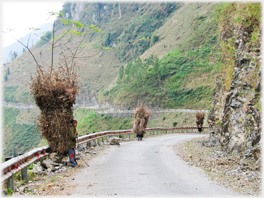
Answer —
235 117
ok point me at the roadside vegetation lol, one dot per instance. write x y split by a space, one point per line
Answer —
132 32
230 16
166 81
17 137
20 131
89 122
180 79
184 77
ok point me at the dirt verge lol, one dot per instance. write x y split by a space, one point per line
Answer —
223 168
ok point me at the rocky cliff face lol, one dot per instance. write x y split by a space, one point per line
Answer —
235 117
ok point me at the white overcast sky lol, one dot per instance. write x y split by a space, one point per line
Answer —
20 15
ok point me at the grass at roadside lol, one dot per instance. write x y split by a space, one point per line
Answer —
183 119
21 122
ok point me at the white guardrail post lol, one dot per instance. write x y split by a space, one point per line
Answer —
98 141
123 137
10 181
88 144
107 139
24 174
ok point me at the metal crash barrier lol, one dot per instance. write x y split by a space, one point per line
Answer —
21 162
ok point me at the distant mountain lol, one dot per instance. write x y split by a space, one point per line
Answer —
186 48
18 48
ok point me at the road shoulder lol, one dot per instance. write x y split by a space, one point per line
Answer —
220 167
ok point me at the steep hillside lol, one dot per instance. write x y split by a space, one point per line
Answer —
182 75
235 117
97 67
20 134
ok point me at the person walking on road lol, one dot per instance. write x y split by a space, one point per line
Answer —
72 143
200 128
140 136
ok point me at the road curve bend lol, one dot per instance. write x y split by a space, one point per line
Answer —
145 168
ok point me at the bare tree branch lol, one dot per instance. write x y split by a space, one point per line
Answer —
29 38
64 34
29 52
78 48
52 48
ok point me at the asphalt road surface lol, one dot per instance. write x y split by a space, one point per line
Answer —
145 168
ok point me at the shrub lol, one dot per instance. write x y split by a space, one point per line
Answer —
9 93
44 39
155 39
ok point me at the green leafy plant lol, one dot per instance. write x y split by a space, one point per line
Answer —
30 167
9 191
6 77
23 136
31 175
230 16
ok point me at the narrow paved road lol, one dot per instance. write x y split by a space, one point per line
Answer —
147 168
106 111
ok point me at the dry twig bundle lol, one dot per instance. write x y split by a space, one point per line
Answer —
54 93
141 120
199 118
55 87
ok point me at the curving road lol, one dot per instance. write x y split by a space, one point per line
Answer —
106 111
146 168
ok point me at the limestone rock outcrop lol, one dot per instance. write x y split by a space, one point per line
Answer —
235 117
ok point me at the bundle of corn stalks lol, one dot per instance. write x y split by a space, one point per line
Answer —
199 118
140 120
55 87
54 90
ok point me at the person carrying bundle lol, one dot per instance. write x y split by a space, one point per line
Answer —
199 121
200 128
72 143
140 136
140 121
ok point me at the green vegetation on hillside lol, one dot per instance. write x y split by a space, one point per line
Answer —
89 122
9 94
182 78
19 131
44 39
23 97
7 72
128 37
26 97
13 55
133 33
17 138
230 16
